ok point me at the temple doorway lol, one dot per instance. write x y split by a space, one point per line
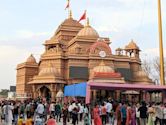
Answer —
45 92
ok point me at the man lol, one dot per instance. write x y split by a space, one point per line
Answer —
8 113
108 109
159 114
40 109
124 113
143 113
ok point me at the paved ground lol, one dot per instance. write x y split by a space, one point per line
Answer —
58 123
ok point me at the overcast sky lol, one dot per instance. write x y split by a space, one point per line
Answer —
26 24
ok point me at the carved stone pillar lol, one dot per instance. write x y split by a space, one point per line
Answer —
52 91
33 92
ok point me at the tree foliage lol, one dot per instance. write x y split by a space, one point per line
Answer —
4 92
152 68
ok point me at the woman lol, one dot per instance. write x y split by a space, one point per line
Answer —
137 114
97 119
133 115
118 115
128 119
51 121
151 117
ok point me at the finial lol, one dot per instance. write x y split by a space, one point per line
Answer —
132 40
70 14
87 22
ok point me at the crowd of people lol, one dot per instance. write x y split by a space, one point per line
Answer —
40 112
126 113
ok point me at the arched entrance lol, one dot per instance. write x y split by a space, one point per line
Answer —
45 92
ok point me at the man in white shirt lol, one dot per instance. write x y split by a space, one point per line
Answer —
40 108
108 109
70 108
52 109
159 114
8 113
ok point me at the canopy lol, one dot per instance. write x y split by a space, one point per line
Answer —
118 86
75 90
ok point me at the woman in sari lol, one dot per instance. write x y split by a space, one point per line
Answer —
133 115
118 115
97 119
128 119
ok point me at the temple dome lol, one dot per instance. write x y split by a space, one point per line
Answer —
88 31
47 71
132 45
31 59
103 68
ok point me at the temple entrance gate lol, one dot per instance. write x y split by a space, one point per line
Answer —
45 92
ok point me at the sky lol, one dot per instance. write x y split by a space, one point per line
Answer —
26 24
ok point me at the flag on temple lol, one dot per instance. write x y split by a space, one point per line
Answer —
83 17
68 4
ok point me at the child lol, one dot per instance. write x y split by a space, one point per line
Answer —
20 120
38 121
51 121
29 120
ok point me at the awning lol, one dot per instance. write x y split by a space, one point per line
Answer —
75 90
118 86
126 86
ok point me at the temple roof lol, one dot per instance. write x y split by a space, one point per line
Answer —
31 59
132 45
70 22
47 74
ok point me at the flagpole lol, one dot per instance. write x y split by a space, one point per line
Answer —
162 77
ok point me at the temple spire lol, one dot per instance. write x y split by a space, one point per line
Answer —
70 14
87 22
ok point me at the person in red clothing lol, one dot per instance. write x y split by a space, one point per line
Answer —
51 121
128 119
97 119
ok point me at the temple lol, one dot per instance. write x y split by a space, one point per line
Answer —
74 54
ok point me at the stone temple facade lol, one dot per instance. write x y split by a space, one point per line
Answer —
74 54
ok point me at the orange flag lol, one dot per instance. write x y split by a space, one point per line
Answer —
83 17
67 5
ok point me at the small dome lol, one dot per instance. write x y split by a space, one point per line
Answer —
48 71
132 45
103 68
31 59
59 94
88 31
119 49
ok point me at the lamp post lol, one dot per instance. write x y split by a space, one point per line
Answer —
162 80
